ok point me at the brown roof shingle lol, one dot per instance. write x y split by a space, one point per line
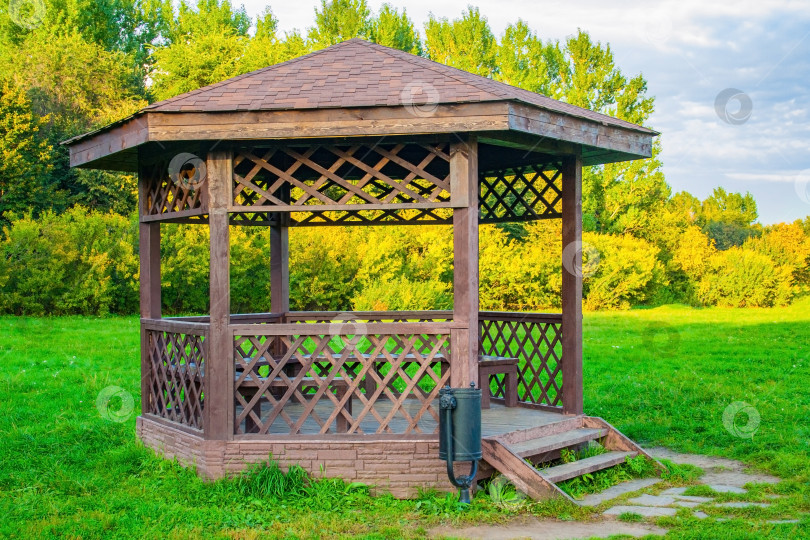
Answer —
357 73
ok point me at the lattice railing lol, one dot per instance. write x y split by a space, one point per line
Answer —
374 378
177 355
350 183
535 340
521 194
177 193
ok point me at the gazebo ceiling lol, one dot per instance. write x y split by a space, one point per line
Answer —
357 89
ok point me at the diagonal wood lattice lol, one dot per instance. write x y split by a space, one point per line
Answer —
521 194
536 343
177 376
331 177
391 378
161 195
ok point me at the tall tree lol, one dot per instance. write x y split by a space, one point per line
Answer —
25 182
206 42
466 43
265 48
526 62
339 20
393 29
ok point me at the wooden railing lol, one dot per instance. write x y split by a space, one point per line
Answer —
535 340
339 378
173 367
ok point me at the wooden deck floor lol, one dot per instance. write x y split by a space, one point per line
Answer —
494 421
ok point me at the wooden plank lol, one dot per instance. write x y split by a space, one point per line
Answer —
336 207
616 440
181 327
318 329
219 400
530 119
525 477
560 425
566 439
464 182
572 397
520 317
567 471
367 315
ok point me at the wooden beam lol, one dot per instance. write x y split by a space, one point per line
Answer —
219 373
279 269
482 117
464 345
572 285
149 255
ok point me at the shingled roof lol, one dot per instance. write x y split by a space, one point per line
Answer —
356 73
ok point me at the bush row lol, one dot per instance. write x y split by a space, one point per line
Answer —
86 262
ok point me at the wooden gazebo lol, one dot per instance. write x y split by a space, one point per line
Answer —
361 135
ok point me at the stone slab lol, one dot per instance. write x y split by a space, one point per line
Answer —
743 504
646 511
657 500
619 489
536 529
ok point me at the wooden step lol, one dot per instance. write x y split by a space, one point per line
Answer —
541 445
585 466
522 474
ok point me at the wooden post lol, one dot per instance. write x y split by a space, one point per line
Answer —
464 183
149 248
279 269
149 255
219 371
572 285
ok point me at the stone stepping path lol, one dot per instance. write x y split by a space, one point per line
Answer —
720 475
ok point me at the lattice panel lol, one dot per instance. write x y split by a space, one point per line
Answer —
339 175
521 194
177 375
164 195
348 383
538 348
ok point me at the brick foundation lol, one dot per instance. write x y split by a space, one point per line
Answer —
396 467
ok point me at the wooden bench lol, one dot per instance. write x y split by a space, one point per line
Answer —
250 386
497 365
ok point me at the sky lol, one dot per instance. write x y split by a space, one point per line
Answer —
731 80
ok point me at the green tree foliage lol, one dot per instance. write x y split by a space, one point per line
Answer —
466 43
741 277
525 61
394 29
79 262
90 62
206 42
26 156
728 218
339 20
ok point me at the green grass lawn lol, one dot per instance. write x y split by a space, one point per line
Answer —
663 376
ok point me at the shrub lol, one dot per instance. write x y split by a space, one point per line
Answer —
741 277
80 262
